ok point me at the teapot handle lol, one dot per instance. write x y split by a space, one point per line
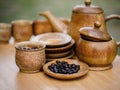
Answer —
113 16
118 43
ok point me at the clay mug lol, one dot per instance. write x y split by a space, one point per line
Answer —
96 48
86 15
5 32
22 30
30 56
41 26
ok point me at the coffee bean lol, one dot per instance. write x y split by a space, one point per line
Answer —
63 67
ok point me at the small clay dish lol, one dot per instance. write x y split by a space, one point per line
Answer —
83 69
65 57
53 39
60 49
58 55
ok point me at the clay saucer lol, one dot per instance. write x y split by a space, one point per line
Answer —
53 39
60 49
65 57
59 55
83 69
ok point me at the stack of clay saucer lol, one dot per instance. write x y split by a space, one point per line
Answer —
58 45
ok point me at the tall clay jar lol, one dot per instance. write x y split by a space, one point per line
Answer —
5 32
22 30
30 56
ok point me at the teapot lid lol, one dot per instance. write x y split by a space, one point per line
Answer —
87 8
94 33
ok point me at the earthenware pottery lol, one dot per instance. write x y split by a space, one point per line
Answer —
57 24
55 39
83 70
41 26
97 49
30 56
69 56
60 49
5 32
58 55
86 15
22 30
82 15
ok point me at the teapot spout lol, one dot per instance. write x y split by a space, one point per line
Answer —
57 24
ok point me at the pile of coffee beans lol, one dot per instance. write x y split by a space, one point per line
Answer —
63 67
29 48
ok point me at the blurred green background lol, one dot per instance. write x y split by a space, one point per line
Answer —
29 9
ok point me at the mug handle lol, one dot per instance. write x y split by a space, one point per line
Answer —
113 16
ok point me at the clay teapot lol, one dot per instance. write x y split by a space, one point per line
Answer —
96 47
82 15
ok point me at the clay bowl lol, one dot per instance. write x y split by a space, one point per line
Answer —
53 39
60 49
83 69
58 55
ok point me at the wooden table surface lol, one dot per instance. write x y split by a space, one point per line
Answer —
12 79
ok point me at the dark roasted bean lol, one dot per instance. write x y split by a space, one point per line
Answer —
63 67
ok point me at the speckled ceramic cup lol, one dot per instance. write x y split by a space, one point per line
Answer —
30 56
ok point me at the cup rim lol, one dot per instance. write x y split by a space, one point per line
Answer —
22 22
17 45
5 25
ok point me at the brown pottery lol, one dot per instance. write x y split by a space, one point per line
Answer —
97 53
5 32
86 15
22 30
41 26
30 61
82 15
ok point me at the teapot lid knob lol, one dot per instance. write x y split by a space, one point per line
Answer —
97 24
87 2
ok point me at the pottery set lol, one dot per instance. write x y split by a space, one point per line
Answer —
58 45
82 15
88 28
86 31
